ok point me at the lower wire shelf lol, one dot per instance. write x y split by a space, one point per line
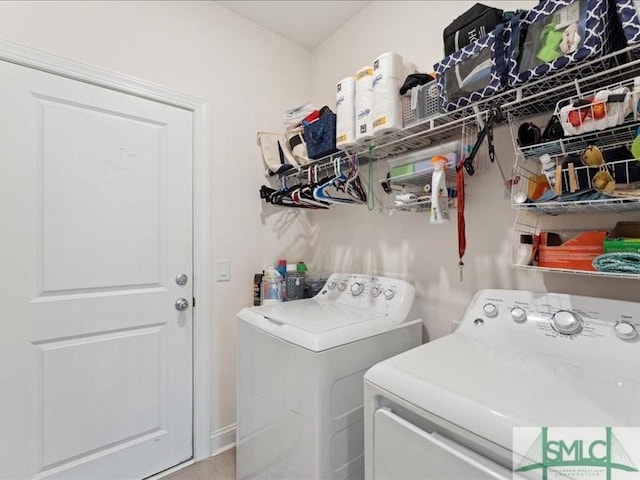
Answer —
578 272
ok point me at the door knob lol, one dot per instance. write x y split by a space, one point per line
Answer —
182 304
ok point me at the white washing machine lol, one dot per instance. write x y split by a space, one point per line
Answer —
446 410
300 370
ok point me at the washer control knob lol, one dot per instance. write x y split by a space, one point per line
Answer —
342 286
625 330
389 294
490 310
375 291
357 288
518 314
566 322
331 285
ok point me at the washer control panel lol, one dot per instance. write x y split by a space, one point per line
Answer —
367 291
574 318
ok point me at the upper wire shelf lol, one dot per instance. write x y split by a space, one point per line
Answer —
533 98
542 95
433 131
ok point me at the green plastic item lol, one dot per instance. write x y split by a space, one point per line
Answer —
401 171
551 40
635 146
301 267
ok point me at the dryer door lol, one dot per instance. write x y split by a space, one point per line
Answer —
404 451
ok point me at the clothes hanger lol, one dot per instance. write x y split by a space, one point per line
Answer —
320 191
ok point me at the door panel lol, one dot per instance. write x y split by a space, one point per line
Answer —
96 208
69 368
123 179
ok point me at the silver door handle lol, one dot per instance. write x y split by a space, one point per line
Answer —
182 304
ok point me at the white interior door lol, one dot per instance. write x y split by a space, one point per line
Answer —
96 222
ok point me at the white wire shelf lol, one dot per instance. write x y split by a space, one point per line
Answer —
420 178
527 180
542 95
630 276
622 135
441 129
534 98
586 206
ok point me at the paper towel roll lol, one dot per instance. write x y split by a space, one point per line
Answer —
390 64
389 74
345 113
364 104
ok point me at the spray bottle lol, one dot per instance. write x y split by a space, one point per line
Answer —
439 193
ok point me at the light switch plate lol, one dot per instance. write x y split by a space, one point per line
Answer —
223 270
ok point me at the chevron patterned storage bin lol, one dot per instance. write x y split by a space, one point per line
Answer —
473 73
557 34
629 14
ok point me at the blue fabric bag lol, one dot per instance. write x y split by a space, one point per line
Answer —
473 73
320 136
629 16
557 34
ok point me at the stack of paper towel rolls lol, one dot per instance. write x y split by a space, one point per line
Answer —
345 113
364 104
389 75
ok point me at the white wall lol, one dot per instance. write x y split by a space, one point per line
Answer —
353 239
248 74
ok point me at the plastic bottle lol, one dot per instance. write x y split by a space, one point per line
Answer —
282 267
272 287
439 194
548 168
295 281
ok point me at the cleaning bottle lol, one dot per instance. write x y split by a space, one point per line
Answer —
272 287
548 168
282 267
295 282
439 194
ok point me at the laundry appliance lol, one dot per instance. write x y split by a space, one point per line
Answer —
300 369
447 409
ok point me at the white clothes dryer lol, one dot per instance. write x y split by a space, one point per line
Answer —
447 409
300 369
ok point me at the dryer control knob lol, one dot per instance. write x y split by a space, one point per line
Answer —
625 330
518 314
331 285
342 286
357 288
375 291
566 322
389 294
490 310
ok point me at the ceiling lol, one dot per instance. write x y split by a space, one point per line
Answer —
307 23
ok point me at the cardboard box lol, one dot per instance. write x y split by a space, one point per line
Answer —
577 253
625 237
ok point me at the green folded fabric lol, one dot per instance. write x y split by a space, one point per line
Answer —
618 262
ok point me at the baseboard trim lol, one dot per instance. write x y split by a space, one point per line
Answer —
223 439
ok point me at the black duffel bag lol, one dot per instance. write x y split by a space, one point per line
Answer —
473 24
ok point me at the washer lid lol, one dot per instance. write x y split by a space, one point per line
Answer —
317 316
489 388
318 325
